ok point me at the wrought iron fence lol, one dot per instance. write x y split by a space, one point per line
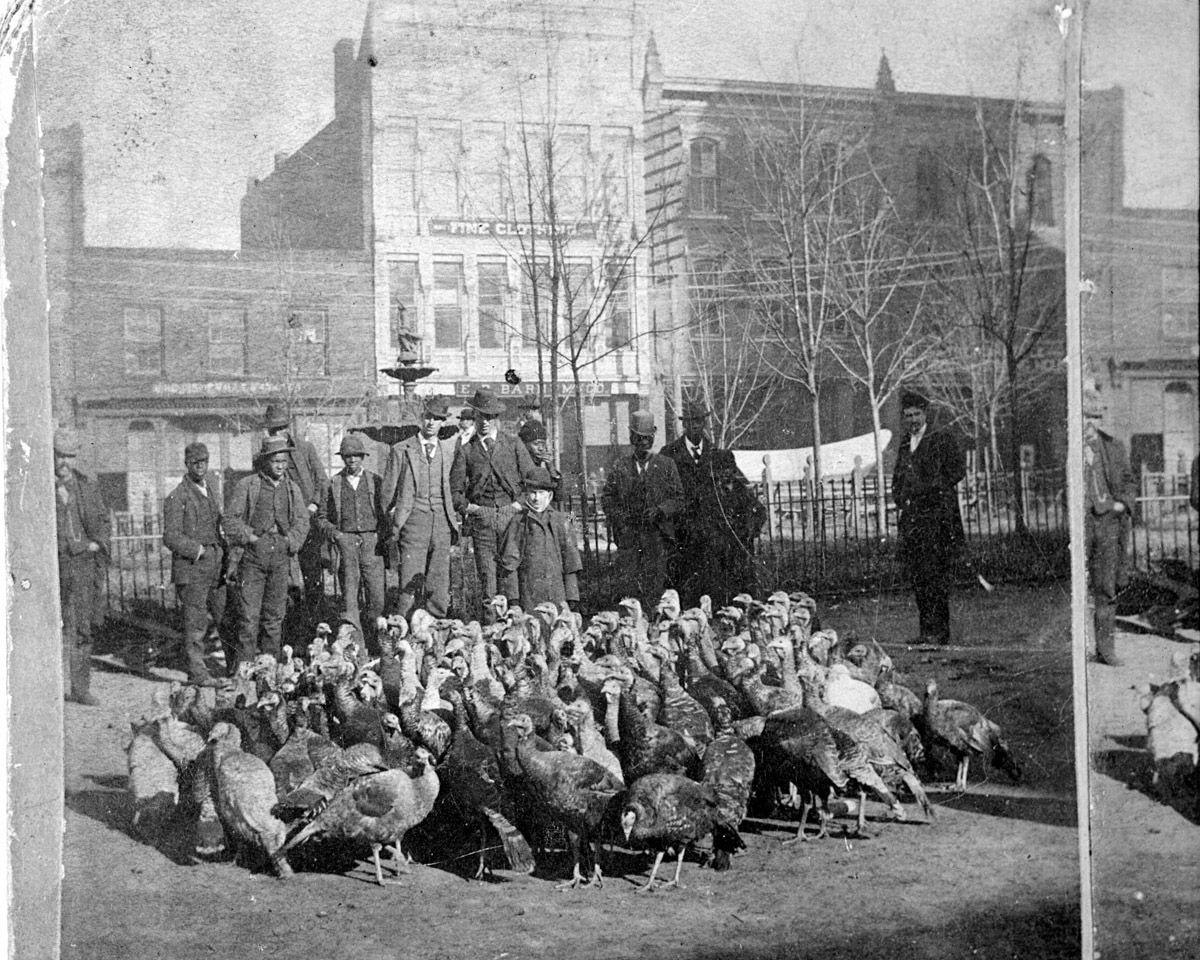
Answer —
1167 526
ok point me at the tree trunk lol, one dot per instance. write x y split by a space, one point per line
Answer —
1014 450
583 459
880 499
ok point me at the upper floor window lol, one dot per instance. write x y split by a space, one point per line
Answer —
706 294
570 170
406 164
927 184
493 288
614 172
488 189
1040 191
226 342
618 329
308 336
143 334
441 167
1179 302
703 176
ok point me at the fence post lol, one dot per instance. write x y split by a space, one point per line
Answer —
772 502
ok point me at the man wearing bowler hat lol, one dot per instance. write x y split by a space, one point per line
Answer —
353 518
192 532
266 524
642 499
929 465
83 547
424 521
721 518
305 469
487 480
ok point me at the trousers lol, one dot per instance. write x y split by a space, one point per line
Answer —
262 598
486 529
201 598
1105 539
360 565
425 562
77 594
642 567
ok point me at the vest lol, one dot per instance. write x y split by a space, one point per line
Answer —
428 479
207 519
272 511
356 512
491 492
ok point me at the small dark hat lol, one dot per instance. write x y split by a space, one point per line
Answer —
273 445
539 479
486 402
195 451
276 416
466 414
436 407
641 422
910 398
352 446
66 442
532 430
695 410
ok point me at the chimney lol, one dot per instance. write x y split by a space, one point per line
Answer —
346 86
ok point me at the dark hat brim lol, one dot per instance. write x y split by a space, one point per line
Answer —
493 408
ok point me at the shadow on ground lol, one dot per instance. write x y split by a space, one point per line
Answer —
1177 787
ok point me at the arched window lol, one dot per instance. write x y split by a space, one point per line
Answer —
1040 190
703 176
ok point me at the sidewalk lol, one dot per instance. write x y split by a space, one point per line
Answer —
1145 855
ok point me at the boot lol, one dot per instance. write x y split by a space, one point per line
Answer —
81 676
1105 626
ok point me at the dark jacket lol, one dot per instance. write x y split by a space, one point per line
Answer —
190 520
630 513
718 497
96 523
924 486
241 507
509 463
403 460
540 560
308 472
1118 477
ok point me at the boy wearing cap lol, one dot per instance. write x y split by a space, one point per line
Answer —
352 517
929 465
1108 517
539 561
424 521
533 434
192 532
267 523
83 546
642 497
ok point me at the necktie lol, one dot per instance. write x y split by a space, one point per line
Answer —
487 445
429 448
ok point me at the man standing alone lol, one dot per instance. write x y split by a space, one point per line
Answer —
268 519
192 532
424 521
929 466
642 496
83 545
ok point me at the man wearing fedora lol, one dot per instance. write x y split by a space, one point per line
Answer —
83 547
642 499
424 521
267 523
487 479
192 532
722 516
306 470
353 518
1109 500
929 465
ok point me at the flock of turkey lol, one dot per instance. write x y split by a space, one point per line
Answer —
654 734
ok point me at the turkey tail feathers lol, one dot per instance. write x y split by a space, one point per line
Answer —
726 841
516 847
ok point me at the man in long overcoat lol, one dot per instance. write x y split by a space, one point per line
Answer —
715 533
538 555
642 499
83 546
424 521
192 532
487 479
929 466
353 518
1109 499
268 520
306 469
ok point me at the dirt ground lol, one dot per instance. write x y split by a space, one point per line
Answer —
997 875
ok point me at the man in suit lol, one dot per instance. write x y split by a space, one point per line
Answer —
192 532
83 545
424 521
487 480
307 471
353 518
1109 500
929 466
267 523
642 499
722 515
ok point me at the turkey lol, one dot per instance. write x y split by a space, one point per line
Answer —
153 781
244 790
668 813
729 770
379 808
569 789
965 732
644 747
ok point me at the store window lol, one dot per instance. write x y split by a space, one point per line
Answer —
493 289
447 304
403 299
143 334
703 176
307 342
226 342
